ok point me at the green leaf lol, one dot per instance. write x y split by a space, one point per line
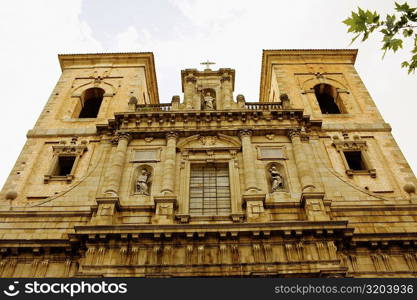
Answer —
395 44
354 39
390 19
404 64
407 32
392 28
404 7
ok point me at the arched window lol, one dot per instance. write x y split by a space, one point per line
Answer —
327 98
91 101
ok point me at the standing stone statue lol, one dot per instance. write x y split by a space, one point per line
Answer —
208 101
277 182
142 183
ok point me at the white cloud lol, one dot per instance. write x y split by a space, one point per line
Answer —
133 40
32 34
230 32
233 33
210 13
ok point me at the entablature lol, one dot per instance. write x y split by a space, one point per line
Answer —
284 229
197 120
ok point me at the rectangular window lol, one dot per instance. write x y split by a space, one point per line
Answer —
355 160
209 190
64 165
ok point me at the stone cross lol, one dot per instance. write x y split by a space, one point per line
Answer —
207 63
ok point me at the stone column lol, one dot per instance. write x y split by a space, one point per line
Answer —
252 198
227 91
168 180
248 160
166 203
114 173
311 199
189 91
303 168
313 156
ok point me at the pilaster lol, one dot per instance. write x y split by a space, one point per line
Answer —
114 173
311 199
252 198
168 181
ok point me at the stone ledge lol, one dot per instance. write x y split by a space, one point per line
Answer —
357 127
40 132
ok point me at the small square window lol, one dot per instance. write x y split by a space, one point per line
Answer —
358 164
64 165
355 160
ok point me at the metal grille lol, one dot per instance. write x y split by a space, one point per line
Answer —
209 190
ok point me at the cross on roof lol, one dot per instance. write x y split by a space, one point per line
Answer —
207 63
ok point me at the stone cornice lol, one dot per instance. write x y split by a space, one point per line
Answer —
287 228
219 120
79 60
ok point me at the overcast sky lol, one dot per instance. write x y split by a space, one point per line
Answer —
181 34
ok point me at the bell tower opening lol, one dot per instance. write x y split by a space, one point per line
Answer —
91 101
326 97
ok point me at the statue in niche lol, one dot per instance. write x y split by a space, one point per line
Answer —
208 101
142 183
277 181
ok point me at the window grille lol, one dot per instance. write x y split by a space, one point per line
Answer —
209 190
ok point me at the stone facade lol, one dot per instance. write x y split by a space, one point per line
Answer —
305 193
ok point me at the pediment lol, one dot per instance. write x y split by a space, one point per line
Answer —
212 142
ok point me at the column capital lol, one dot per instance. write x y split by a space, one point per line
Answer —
106 138
226 79
172 135
292 133
191 79
245 133
106 134
121 136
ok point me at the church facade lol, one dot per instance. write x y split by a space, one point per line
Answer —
306 182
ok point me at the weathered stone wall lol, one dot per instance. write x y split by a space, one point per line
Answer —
322 220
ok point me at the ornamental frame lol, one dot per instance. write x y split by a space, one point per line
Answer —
64 151
281 148
357 145
228 158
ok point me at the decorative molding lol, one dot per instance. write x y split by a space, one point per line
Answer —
171 135
245 133
292 133
121 136
347 145
199 142
63 150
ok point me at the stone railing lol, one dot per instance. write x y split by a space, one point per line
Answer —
154 107
246 105
262 106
